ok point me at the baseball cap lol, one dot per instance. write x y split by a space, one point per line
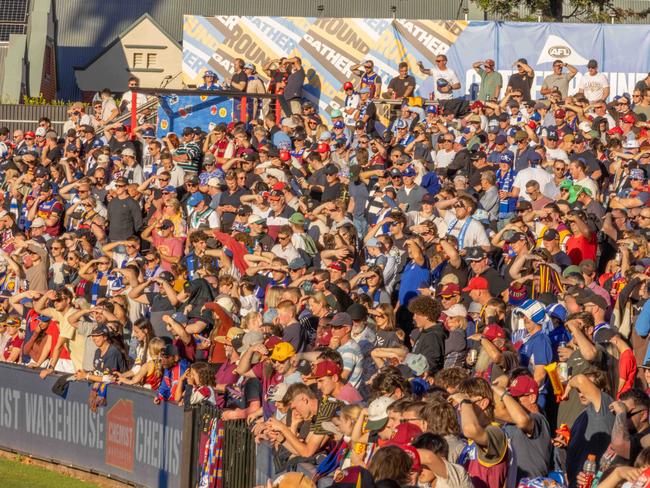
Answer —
99 331
500 139
494 331
357 311
297 218
592 299
405 433
409 171
297 263
195 199
378 413
628 119
592 63
255 219
516 237
428 198
523 385
477 283
506 157
560 113
38 222
475 254
289 122
587 266
550 235
341 319
325 368
339 124
166 224
251 337
336 113
373 242
128 152
456 310
417 363
637 174
449 290
230 335
282 351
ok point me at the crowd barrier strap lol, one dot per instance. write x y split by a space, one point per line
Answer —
129 439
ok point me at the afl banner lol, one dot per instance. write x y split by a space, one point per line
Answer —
329 47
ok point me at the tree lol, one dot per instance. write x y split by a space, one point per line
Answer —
559 10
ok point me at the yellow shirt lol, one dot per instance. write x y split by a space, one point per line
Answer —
76 341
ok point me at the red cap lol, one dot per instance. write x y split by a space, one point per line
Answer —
279 186
449 290
477 283
30 133
559 113
323 147
338 266
494 331
285 155
532 124
325 338
405 433
628 119
615 130
523 385
325 368
476 104
347 85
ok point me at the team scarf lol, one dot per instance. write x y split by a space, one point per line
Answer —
94 290
463 230
505 182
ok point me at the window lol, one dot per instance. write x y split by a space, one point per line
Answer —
152 59
138 60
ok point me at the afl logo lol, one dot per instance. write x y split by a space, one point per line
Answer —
164 123
559 51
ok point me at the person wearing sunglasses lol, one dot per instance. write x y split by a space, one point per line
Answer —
369 78
445 80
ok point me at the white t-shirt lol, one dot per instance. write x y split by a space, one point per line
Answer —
593 86
447 75
544 178
444 158
351 104
587 182
474 235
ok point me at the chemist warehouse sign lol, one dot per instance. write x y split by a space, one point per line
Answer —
330 46
130 439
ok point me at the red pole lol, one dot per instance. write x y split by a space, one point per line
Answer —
243 112
278 111
134 113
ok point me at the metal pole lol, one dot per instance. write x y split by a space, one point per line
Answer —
134 113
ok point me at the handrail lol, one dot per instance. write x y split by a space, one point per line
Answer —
127 115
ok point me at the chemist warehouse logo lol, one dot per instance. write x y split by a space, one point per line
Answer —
120 436
556 49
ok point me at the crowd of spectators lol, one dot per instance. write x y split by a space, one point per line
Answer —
452 297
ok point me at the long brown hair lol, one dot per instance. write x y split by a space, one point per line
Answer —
391 463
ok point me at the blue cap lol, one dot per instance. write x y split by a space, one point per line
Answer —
98 143
535 158
373 242
72 147
400 124
461 140
195 199
441 82
500 139
339 124
148 133
511 132
536 117
179 317
169 189
116 157
44 318
210 73
365 89
506 157
409 171
432 109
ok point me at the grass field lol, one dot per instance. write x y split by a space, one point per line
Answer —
15 474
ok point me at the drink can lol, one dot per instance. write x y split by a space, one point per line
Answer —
472 356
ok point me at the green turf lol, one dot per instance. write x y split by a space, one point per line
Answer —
14 474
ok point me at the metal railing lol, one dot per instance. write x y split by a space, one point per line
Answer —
237 463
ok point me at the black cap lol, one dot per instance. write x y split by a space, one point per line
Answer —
100 330
593 298
474 254
273 152
550 235
592 63
357 311
503 117
331 169
516 237
46 186
166 224
71 133
188 131
476 155
41 172
169 350
524 205
359 125
166 276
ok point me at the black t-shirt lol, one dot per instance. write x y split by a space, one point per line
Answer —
158 302
523 83
239 78
399 85
332 192
112 361
54 155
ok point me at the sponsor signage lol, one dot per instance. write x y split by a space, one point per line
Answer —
130 438
329 47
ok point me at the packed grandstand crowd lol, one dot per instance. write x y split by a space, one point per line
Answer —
432 292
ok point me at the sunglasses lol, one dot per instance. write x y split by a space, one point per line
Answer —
120 186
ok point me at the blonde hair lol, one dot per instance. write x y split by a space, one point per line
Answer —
351 412
273 296
249 318
155 347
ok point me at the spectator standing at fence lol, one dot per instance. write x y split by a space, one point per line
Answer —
557 81
77 117
140 100
402 85
293 89
109 107
594 85
522 80
445 80
369 78
491 80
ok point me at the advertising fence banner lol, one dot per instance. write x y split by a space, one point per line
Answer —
329 47
130 438
177 112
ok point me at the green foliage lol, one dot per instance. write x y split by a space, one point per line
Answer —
40 100
597 11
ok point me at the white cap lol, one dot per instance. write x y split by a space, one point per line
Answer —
215 182
378 412
3 214
289 122
40 132
226 303
128 152
276 173
584 126
631 144
456 310
103 158
38 222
